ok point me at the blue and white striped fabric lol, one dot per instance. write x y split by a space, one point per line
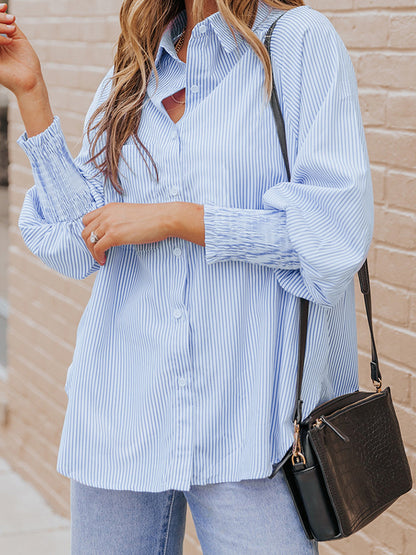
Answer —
184 370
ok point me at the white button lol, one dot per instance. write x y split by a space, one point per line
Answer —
194 88
177 313
174 191
177 251
202 28
173 135
182 382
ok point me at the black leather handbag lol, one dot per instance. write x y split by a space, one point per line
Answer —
347 463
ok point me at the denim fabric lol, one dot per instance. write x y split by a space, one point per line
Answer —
231 518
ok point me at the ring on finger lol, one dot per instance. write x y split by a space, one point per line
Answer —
94 237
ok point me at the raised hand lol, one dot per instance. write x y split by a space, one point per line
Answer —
20 69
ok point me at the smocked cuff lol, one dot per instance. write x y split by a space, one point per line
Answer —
247 235
62 191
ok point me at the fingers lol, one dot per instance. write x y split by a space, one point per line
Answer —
92 223
88 218
7 29
105 240
86 235
7 26
6 17
104 243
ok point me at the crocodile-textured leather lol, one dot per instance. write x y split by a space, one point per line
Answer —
362 476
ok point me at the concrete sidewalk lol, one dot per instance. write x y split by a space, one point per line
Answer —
27 523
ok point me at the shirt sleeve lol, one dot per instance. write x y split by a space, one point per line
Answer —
314 231
65 190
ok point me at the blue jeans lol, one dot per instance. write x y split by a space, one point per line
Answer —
231 518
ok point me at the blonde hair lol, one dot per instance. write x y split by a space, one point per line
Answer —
142 25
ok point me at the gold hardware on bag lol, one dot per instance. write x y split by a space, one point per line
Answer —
318 423
377 385
296 448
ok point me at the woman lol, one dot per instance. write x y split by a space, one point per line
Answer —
182 384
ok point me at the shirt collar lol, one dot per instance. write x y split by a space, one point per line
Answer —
218 24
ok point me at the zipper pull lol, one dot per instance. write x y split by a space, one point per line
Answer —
322 419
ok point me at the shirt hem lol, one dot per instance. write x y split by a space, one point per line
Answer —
140 487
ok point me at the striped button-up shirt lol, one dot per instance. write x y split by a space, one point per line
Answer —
184 369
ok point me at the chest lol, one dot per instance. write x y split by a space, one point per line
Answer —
175 105
222 149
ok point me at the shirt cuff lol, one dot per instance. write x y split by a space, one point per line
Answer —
248 235
62 191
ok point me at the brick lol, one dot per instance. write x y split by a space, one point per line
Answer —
35 414
36 334
395 228
387 69
412 389
363 334
79 78
70 101
393 148
399 379
395 267
400 189
390 303
362 4
400 111
402 31
398 344
364 358
353 29
373 107
330 5
45 311
378 177
413 312
35 363
371 259
29 265
74 53
408 431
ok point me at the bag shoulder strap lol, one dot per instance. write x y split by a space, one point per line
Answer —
363 274
274 101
